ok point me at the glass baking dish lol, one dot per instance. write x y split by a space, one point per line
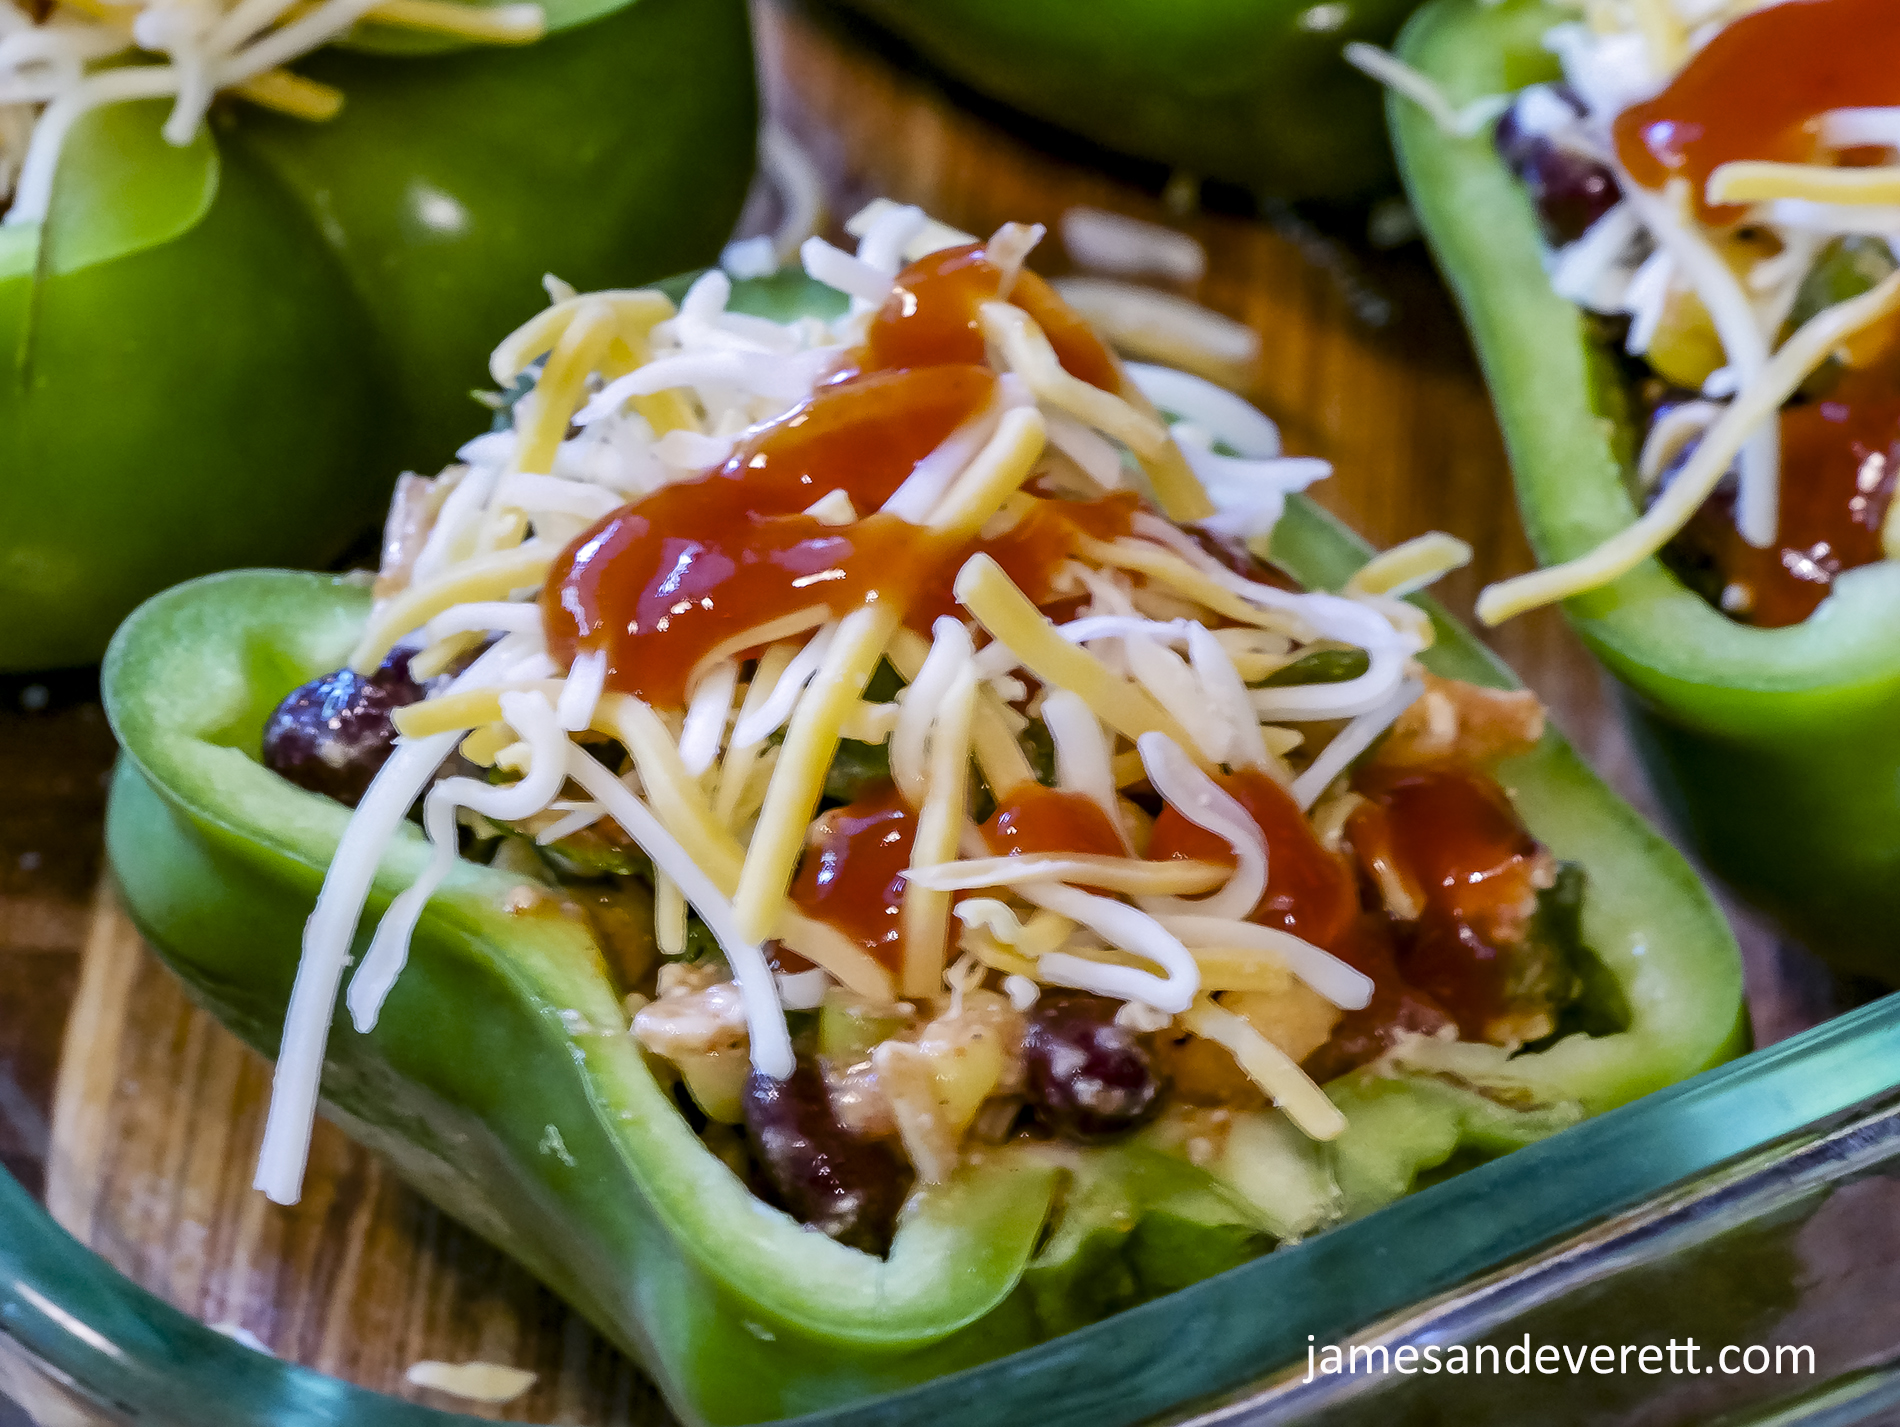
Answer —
1744 1206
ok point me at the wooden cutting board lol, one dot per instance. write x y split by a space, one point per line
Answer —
156 1112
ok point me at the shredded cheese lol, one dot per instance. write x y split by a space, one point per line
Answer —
926 911
1818 338
1269 1067
1754 181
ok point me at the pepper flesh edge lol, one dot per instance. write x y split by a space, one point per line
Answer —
1746 732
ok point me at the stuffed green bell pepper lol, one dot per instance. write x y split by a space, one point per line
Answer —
888 890
227 326
1684 302
1255 94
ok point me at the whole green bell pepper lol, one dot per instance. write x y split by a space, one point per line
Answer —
223 353
1250 91
1776 750
501 1082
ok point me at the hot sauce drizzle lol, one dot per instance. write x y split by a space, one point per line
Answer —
931 317
1759 87
1844 453
1038 819
1456 842
663 584
1310 891
852 875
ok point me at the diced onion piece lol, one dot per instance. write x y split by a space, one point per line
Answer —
1270 1068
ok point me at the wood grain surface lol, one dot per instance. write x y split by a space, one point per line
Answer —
143 1135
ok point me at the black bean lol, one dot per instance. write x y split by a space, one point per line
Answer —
825 1176
1570 190
332 734
1089 1078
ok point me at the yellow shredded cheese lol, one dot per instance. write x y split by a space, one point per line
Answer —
1006 612
1410 566
292 94
926 912
563 386
1144 557
1785 372
1175 877
1031 357
1756 181
637 311
471 708
804 760
1269 1067
493 576
998 756
489 24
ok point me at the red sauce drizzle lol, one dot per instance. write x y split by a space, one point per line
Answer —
931 317
1841 456
1038 819
851 877
1756 90
663 584
1453 835
1310 891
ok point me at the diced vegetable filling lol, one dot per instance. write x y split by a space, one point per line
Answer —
1715 181
926 787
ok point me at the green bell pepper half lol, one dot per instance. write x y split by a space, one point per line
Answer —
1777 751
1253 92
500 1080
222 354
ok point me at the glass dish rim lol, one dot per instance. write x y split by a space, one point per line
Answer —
126 1349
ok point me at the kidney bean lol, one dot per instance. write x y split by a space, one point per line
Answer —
824 1176
1570 190
1088 1078
333 734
